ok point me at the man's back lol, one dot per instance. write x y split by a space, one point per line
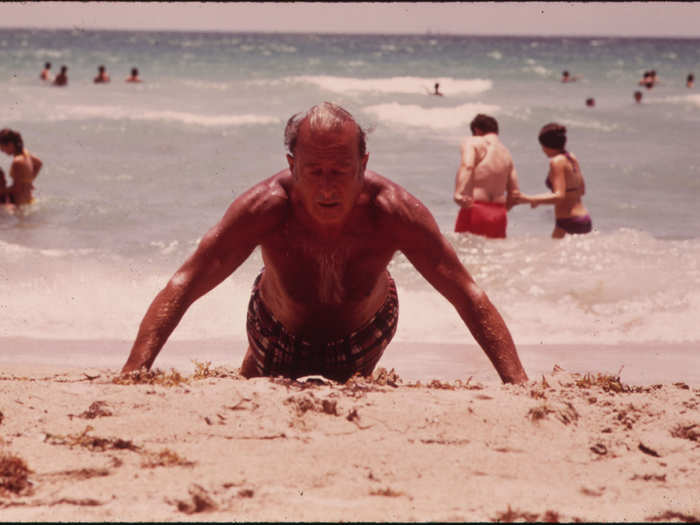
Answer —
492 167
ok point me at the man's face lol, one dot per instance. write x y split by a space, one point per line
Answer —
328 172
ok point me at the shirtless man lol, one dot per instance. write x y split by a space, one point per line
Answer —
102 76
327 227
486 181
23 170
62 77
46 72
134 77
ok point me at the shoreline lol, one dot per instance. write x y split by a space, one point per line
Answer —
214 447
636 363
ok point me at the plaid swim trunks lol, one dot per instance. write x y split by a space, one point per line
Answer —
276 352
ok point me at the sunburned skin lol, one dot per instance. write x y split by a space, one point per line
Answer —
486 172
327 228
23 170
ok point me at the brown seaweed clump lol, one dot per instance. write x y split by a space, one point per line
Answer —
199 501
165 458
691 432
205 370
151 377
93 443
512 515
14 475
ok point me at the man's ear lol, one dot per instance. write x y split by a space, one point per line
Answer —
364 162
290 161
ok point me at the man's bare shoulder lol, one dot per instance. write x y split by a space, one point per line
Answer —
472 141
264 204
393 202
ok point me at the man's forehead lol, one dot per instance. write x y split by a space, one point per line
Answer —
345 133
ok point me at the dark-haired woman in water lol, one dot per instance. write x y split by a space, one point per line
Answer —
24 169
565 182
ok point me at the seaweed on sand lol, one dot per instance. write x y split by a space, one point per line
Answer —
151 377
165 458
204 370
90 442
14 475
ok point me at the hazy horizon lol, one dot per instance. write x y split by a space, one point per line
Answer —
589 19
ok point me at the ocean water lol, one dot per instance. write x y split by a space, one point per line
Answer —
135 174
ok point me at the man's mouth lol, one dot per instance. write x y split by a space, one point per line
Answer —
328 204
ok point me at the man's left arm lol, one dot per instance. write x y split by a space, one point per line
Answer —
464 180
433 256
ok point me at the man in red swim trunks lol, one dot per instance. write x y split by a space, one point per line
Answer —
486 181
327 228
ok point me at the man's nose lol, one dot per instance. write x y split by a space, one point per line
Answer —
327 190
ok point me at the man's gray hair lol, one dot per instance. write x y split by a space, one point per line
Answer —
322 117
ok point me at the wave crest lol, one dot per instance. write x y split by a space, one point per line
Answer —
434 118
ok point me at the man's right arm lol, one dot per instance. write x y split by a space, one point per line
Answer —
464 181
223 249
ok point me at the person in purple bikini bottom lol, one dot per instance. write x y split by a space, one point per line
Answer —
565 182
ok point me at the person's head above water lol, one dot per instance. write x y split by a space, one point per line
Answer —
553 136
484 124
11 137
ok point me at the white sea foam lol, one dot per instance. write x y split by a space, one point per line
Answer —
589 124
201 84
404 85
684 99
85 112
602 289
432 118
595 289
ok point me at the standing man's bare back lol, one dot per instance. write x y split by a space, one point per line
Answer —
486 181
328 228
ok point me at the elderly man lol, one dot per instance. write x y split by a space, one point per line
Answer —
324 302
486 181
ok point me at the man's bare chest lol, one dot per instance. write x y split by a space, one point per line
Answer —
330 273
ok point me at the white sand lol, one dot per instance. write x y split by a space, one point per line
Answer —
224 448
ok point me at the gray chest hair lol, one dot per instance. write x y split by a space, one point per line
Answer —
331 265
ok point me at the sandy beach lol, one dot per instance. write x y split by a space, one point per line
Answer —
86 444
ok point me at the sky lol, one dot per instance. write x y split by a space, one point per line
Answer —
679 19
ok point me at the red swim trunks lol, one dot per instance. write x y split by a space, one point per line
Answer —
483 218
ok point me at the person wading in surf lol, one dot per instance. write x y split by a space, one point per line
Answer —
324 302
486 181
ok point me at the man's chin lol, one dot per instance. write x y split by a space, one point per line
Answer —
328 215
